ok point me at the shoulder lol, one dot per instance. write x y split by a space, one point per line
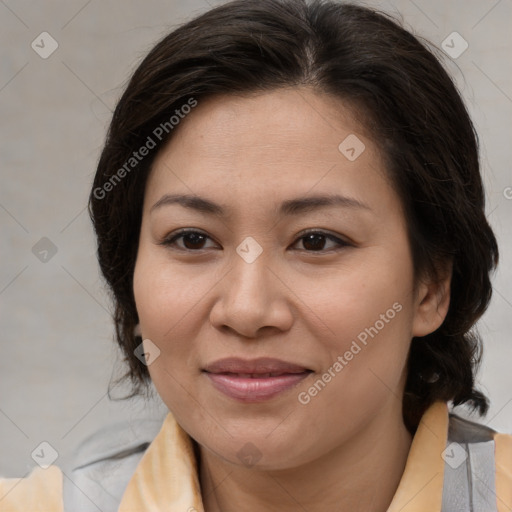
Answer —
40 490
478 466
472 435
93 479
97 475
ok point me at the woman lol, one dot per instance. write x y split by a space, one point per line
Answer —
290 215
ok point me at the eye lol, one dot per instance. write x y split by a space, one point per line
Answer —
192 240
315 241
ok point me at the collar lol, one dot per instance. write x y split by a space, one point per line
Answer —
167 473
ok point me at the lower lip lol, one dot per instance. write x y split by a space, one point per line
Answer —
249 389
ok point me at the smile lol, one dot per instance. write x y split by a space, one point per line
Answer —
257 380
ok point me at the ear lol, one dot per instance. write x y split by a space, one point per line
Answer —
432 302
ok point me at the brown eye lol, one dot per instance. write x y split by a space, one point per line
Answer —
314 242
317 240
191 240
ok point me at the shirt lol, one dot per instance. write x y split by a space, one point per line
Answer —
453 465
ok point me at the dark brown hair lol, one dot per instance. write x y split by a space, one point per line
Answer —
411 107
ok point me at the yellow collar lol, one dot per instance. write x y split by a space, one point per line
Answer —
421 486
167 473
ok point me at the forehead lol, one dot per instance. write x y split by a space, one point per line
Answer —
291 121
267 146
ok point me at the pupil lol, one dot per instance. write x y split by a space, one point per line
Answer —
193 239
315 242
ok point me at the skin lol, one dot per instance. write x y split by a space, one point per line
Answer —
346 448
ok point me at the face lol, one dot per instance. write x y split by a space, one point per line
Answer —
282 320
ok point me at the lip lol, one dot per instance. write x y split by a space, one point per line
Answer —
260 365
255 380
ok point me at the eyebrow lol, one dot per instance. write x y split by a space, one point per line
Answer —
297 206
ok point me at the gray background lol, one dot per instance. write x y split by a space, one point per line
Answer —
57 353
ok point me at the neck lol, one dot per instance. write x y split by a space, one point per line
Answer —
360 475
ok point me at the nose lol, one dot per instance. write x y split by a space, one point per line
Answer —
252 300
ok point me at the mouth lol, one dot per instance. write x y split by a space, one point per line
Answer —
256 380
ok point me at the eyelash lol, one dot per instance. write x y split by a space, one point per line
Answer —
170 240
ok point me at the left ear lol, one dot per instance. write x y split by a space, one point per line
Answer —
432 302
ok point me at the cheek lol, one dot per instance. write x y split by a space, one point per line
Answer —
368 317
168 300
366 364
370 295
165 294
